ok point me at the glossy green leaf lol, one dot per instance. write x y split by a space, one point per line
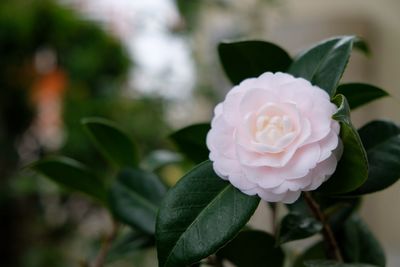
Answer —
252 248
72 175
323 64
352 169
328 263
358 243
247 59
381 139
358 94
313 252
296 226
199 215
135 198
191 141
112 142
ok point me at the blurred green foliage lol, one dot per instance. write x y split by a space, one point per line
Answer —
96 66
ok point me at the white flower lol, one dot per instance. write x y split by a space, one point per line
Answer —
274 136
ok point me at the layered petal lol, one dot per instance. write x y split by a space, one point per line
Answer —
274 136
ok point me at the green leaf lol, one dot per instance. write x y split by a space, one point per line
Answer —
300 206
323 64
198 216
313 252
340 210
160 158
135 197
358 94
128 244
358 243
336 209
72 175
112 142
252 248
328 263
382 142
352 169
296 226
248 59
191 141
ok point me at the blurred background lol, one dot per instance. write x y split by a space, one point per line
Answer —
151 66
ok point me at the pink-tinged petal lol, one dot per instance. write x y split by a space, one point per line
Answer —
320 117
320 94
268 196
335 126
254 99
287 197
274 136
224 166
328 144
268 177
304 135
266 78
249 155
218 110
280 79
291 92
262 177
250 192
256 159
220 138
291 196
300 184
322 172
248 134
247 84
239 180
230 111
304 159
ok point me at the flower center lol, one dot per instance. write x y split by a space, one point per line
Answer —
274 130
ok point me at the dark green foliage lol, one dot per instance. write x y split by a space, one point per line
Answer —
358 244
328 263
296 226
160 158
112 142
129 243
250 59
72 175
313 252
198 216
135 197
252 248
323 64
204 215
191 141
358 94
381 140
352 169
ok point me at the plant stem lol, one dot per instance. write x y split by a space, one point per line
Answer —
105 247
333 248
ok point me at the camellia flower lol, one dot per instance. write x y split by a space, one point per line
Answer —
274 136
